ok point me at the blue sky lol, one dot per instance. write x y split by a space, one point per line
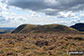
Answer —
16 12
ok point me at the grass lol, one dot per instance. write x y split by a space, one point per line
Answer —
40 44
52 28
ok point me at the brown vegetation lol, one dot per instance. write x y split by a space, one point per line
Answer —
40 44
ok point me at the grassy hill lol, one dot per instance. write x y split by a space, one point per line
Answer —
28 28
41 40
79 27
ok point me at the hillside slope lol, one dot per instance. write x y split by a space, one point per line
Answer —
28 28
79 26
41 44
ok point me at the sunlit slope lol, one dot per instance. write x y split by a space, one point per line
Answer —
28 28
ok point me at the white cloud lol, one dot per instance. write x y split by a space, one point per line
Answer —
41 5
82 15
14 16
66 14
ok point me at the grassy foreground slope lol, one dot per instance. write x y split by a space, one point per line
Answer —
28 28
44 40
40 44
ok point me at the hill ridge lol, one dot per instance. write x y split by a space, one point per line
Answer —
29 28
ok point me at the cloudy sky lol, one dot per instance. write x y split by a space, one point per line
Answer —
16 12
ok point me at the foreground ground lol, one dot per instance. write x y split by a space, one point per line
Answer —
41 44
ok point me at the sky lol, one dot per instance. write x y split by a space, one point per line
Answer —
16 12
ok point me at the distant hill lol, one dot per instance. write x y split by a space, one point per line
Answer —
79 26
41 41
28 28
5 30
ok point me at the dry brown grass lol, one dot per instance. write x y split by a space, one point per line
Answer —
40 44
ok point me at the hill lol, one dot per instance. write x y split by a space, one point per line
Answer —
6 30
41 40
28 28
79 27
